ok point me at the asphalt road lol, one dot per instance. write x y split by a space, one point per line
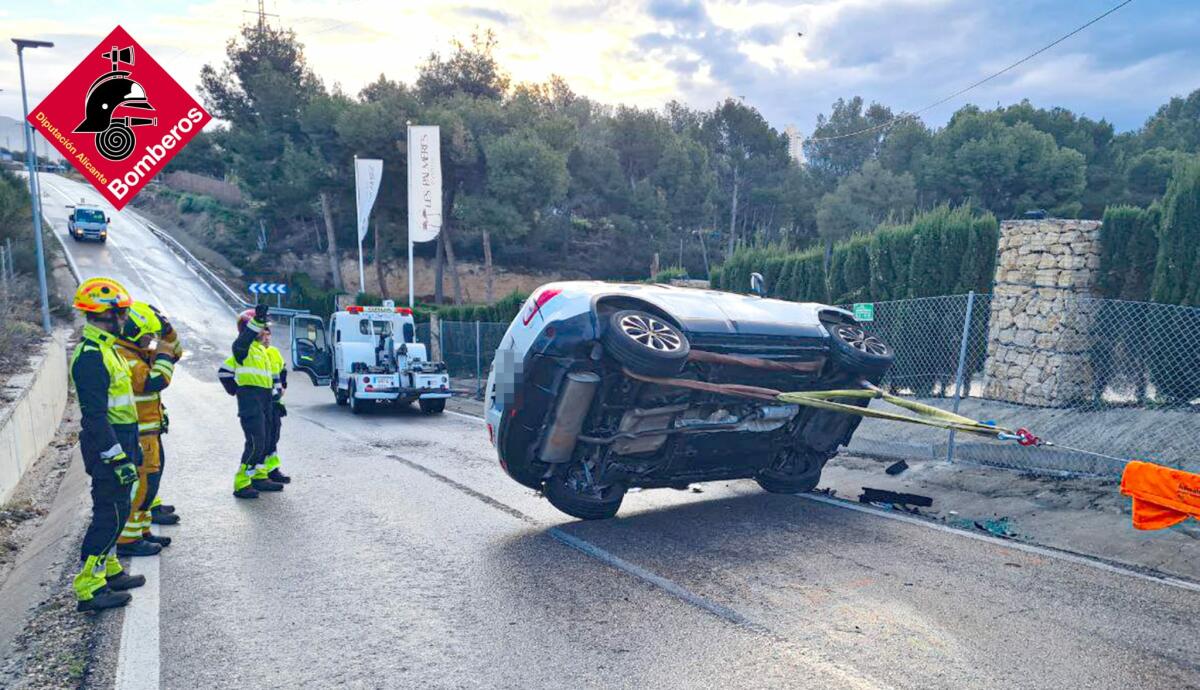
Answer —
401 556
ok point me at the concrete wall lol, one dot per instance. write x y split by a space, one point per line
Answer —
1037 340
28 424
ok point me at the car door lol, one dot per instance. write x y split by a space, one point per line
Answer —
310 349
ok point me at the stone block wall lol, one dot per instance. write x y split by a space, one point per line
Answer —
1041 312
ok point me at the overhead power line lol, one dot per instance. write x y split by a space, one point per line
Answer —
956 94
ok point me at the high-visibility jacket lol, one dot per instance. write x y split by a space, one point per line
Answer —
148 381
104 388
247 374
278 373
1162 496
255 370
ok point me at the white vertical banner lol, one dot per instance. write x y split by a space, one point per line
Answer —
424 190
367 174
424 183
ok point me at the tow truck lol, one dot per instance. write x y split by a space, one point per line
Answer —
369 355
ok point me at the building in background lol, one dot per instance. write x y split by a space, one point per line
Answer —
795 144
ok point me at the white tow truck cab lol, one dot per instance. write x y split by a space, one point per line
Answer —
368 355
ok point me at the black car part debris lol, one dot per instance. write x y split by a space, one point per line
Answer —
896 468
870 495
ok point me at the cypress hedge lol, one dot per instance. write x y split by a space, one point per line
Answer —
948 250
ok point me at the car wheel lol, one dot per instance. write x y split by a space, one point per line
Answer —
791 472
645 343
356 406
432 406
338 396
854 348
575 496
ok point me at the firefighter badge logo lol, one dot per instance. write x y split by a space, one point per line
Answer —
118 117
111 92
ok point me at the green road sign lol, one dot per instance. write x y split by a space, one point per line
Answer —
864 311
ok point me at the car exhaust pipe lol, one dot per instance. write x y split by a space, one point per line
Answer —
573 405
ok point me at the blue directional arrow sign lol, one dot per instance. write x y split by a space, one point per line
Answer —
268 288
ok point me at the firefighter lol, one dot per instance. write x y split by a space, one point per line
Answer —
152 370
108 441
270 467
247 375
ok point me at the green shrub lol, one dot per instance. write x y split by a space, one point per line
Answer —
668 274
948 250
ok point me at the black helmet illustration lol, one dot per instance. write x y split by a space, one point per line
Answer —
114 138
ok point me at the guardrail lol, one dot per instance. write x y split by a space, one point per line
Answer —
228 294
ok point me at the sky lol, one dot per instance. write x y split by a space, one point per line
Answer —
902 53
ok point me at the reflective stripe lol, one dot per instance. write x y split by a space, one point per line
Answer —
112 452
149 426
224 374
151 397
165 366
253 370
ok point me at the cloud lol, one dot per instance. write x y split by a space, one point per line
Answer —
486 13
683 11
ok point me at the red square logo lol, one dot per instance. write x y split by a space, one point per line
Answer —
119 117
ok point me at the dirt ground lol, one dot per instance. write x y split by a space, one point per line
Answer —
56 646
1085 515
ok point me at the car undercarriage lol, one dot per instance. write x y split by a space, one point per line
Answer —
661 416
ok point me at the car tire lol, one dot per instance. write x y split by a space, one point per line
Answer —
854 348
799 472
432 406
645 343
559 490
338 396
356 406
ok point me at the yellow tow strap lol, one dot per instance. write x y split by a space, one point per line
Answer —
926 414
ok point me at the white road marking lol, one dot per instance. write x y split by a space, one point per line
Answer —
464 416
138 659
1007 543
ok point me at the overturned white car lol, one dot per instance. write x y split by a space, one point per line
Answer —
581 405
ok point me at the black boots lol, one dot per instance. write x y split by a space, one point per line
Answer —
276 476
155 539
104 598
266 485
246 492
160 517
140 547
123 581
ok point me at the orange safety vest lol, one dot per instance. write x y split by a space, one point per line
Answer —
1162 496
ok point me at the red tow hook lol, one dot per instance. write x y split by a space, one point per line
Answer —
1026 438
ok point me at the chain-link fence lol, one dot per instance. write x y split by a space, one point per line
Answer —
467 348
1104 380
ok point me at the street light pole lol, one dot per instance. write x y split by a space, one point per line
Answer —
35 192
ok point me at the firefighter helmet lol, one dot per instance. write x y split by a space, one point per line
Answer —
144 319
98 295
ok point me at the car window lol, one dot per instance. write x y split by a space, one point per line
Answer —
88 215
312 334
379 327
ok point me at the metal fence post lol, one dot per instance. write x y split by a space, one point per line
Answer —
962 363
478 362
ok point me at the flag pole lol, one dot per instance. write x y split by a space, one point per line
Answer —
408 147
362 280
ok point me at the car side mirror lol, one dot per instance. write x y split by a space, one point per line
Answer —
107 219
757 285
